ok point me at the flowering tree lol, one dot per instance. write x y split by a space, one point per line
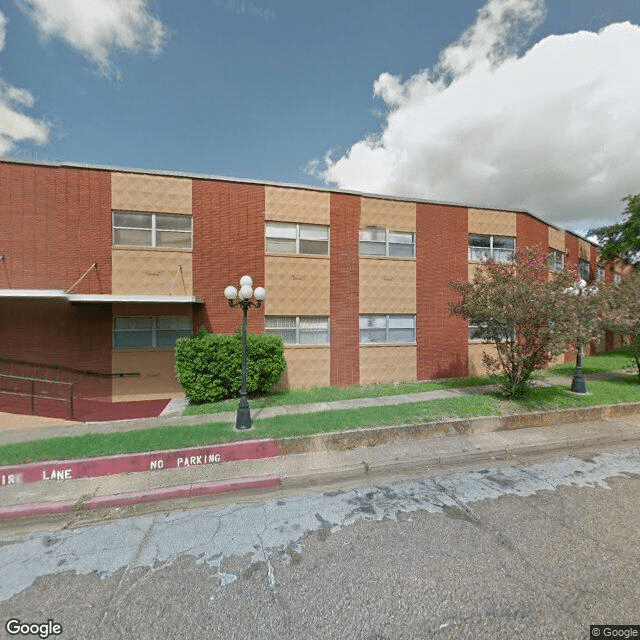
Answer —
529 317
622 312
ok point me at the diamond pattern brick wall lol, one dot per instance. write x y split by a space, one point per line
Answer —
344 323
228 226
441 257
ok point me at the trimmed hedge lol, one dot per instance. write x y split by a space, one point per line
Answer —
208 365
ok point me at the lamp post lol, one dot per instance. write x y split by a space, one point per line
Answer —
578 383
243 415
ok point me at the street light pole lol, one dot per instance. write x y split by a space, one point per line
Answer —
243 415
578 383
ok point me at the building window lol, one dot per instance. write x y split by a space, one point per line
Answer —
617 277
556 260
161 230
584 270
384 242
291 237
499 248
381 329
298 329
142 332
477 329
600 274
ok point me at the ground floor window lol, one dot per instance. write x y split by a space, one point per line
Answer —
387 328
139 332
298 329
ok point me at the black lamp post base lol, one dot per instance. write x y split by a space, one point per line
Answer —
243 415
578 384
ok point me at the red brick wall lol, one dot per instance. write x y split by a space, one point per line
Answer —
56 340
531 233
441 258
345 285
56 221
228 226
572 251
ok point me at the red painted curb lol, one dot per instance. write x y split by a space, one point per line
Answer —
136 462
138 497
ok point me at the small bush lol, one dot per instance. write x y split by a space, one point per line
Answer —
208 365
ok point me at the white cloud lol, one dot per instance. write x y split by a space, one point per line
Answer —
554 131
14 125
98 27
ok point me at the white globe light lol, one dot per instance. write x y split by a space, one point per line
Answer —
260 294
246 292
246 281
582 284
230 293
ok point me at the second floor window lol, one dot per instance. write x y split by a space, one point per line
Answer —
556 260
157 230
499 248
384 242
293 237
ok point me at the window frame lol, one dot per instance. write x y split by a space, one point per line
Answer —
387 244
154 230
298 226
273 331
491 249
553 259
582 264
600 274
387 328
154 332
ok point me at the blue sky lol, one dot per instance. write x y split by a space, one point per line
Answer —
507 103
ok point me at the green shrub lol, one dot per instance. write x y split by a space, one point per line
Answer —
208 365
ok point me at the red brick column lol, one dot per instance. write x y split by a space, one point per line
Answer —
345 287
441 258
531 233
228 242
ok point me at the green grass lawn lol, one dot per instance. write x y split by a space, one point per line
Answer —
612 391
328 394
612 361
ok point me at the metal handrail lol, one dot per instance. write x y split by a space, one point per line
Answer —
32 394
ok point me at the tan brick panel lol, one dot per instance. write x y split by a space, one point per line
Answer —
307 366
388 363
151 272
140 192
556 239
296 286
387 286
296 205
387 214
585 249
156 379
496 223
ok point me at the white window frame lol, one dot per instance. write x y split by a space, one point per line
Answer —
154 332
297 226
387 244
556 256
274 331
617 278
387 328
154 230
474 326
600 274
496 253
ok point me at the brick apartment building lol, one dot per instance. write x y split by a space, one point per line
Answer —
101 269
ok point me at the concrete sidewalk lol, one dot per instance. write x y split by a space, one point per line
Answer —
321 460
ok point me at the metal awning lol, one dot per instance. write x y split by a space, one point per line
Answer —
97 297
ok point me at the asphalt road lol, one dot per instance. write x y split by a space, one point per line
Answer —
540 550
